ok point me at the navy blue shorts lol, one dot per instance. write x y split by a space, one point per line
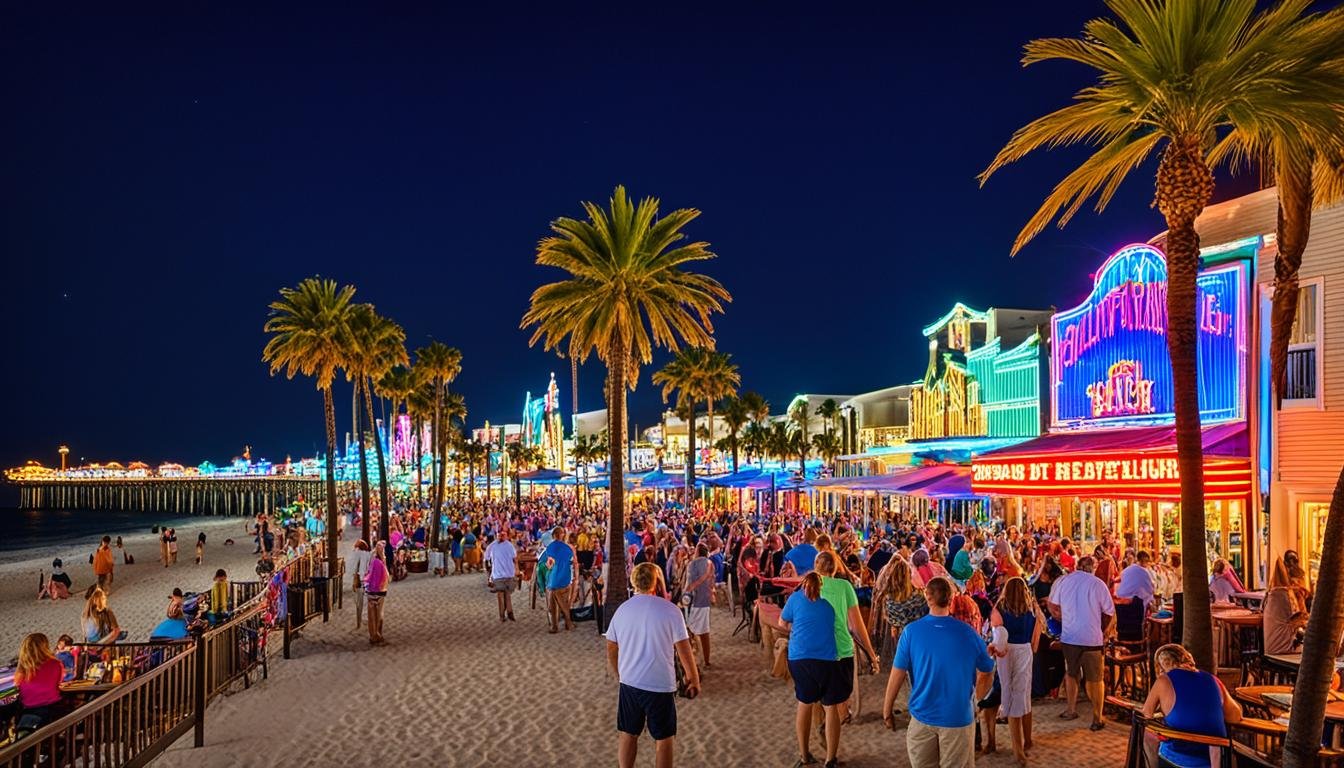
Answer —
638 707
818 680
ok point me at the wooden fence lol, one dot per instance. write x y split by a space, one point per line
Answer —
136 720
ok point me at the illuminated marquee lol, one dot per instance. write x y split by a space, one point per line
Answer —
1109 363
1118 476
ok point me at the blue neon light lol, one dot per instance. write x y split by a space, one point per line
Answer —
1109 363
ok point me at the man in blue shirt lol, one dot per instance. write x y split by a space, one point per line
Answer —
560 563
945 661
802 556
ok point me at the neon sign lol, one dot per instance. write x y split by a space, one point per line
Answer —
1124 392
1109 363
1112 475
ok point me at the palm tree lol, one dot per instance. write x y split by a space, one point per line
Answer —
376 345
684 374
454 406
627 293
829 410
588 449
307 324
719 378
440 364
828 445
1177 76
420 405
735 417
517 454
474 452
798 416
397 385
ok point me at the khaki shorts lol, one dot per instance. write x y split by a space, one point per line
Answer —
505 585
1084 660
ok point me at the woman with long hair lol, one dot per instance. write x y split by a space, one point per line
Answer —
813 664
839 592
38 677
1284 611
375 591
98 622
1018 621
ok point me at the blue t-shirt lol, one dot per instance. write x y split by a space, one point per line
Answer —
561 574
717 560
632 539
941 655
813 633
803 556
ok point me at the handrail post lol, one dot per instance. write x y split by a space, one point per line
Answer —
200 679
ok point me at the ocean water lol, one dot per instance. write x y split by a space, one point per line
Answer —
29 529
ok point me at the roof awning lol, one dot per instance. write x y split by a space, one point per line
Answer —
1137 463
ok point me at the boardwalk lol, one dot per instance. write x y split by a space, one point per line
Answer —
455 687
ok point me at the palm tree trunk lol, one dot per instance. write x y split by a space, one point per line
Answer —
617 359
329 412
436 501
418 425
384 497
690 451
1306 721
1293 177
363 466
1184 185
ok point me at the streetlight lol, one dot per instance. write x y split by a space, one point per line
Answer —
64 450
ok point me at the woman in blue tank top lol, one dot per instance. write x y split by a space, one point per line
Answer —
1192 701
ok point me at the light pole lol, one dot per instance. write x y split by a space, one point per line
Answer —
64 450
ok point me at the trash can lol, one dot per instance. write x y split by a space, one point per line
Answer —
295 601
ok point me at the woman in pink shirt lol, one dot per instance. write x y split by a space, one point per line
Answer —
38 677
375 589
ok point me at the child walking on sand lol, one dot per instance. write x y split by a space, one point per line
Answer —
200 547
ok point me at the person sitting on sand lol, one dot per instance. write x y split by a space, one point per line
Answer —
58 586
98 622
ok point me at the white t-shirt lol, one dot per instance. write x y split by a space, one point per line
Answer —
647 628
501 555
1081 598
359 560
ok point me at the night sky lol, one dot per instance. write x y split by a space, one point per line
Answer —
165 174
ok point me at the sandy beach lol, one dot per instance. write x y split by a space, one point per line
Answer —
139 592
455 687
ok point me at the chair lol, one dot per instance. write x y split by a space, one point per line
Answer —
1135 752
1128 674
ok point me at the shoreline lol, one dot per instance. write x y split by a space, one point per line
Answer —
139 592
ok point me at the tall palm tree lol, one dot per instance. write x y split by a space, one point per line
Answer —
1177 76
307 327
420 406
827 445
377 345
735 417
829 410
798 416
755 440
475 452
440 364
588 449
684 374
719 378
627 293
397 385
454 406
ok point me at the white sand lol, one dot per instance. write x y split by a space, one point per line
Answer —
139 592
454 687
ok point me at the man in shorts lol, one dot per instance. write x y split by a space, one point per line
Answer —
560 566
1082 604
699 586
503 559
645 634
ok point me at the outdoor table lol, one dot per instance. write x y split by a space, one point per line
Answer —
787 583
1160 629
1228 624
1249 599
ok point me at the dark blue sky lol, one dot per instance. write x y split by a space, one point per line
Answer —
164 174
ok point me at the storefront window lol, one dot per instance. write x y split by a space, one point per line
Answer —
1312 527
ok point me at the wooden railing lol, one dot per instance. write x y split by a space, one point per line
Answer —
136 720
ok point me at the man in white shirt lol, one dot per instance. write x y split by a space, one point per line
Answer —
1082 604
502 557
644 634
359 565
